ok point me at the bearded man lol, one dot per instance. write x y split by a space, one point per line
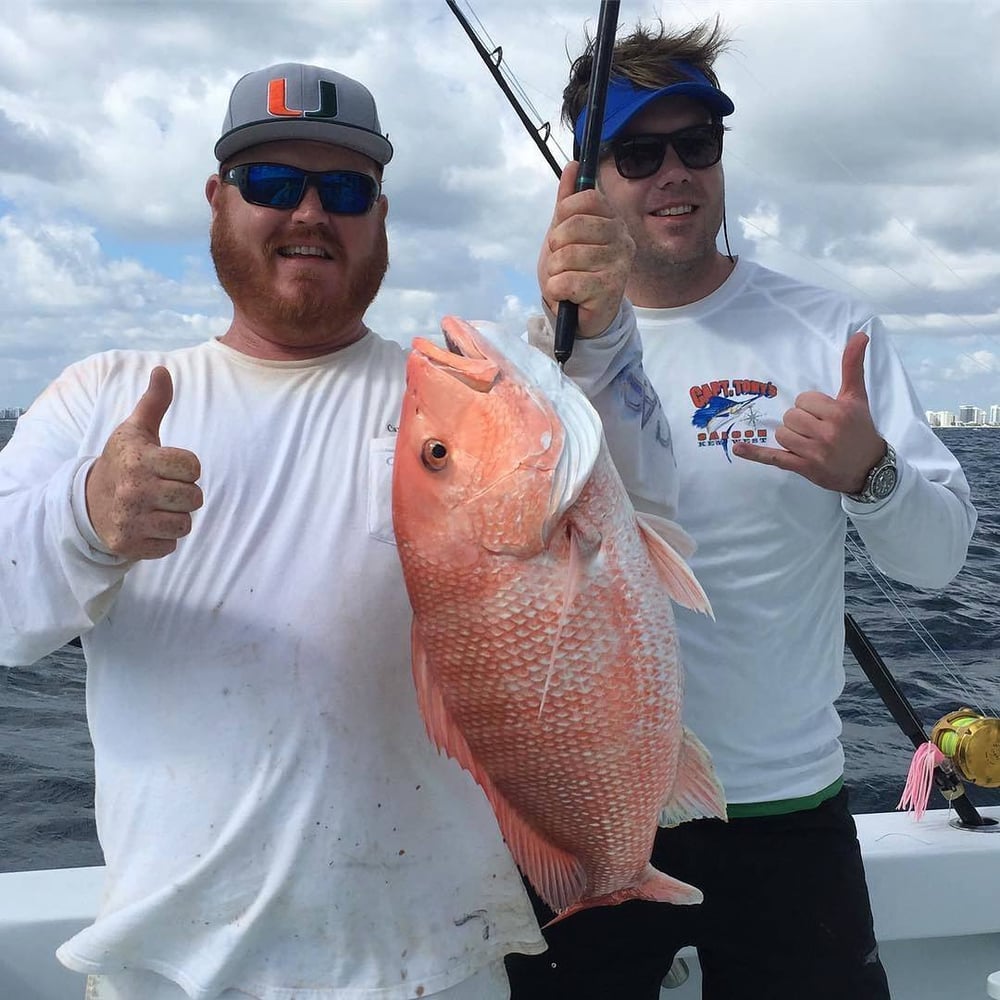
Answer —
215 522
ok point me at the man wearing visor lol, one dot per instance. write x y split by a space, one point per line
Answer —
790 413
216 523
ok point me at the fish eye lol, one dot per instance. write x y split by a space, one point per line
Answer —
434 455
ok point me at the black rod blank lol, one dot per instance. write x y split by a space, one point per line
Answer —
600 72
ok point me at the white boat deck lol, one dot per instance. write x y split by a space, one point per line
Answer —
935 894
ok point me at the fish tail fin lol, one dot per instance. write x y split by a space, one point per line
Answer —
697 793
660 888
653 886
675 573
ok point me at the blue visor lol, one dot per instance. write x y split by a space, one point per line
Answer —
625 99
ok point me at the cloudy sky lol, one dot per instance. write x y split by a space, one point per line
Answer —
864 155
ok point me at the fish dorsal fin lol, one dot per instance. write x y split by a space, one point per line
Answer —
696 793
675 573
557 875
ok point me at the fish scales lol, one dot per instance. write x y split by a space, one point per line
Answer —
545 653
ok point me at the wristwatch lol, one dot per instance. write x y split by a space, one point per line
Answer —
881 480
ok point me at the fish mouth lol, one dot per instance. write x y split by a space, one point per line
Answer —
464 359
452 342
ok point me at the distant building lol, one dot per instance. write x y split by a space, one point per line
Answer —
945 418
931 416
967 414
994 414
11 413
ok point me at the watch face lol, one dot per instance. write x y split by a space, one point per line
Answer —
883 482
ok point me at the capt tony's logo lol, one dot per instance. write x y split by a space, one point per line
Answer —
727 410
277 101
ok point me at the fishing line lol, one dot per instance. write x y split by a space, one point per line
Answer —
542 126
885 587
888 591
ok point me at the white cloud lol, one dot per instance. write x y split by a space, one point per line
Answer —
844 166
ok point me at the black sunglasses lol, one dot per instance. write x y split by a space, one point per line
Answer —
639 156
276 185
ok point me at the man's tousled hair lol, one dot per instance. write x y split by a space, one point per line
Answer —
646 58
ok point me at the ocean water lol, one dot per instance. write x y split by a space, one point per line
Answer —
940 646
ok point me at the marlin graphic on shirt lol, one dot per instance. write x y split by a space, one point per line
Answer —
717 414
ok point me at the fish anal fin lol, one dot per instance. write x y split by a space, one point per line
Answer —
697 793
675 573
558 876
654 886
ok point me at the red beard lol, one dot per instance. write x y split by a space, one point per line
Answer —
310 312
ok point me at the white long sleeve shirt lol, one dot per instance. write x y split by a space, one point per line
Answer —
761 680
272 813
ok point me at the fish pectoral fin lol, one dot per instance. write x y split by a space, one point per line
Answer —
697 793
586 541
671 532
675 573
558 876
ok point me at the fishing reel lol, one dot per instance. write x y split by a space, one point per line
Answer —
971 742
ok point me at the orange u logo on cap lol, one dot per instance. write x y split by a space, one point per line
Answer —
277 104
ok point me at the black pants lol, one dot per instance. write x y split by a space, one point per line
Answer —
786 916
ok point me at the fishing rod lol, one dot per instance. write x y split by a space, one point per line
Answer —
967 741
969 737
590 147
600 71
493 60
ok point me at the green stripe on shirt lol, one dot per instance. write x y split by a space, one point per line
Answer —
779 807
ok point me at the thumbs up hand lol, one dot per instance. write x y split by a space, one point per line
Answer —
831 441
140 495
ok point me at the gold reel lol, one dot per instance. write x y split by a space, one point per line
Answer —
972 741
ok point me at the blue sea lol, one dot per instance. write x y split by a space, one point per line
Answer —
947 661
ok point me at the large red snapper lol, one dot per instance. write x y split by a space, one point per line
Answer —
544 650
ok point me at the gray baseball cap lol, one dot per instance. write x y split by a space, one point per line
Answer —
293 101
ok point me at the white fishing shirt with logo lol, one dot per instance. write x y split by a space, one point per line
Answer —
273 815
762 678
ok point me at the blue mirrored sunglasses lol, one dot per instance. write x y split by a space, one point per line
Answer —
277 185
